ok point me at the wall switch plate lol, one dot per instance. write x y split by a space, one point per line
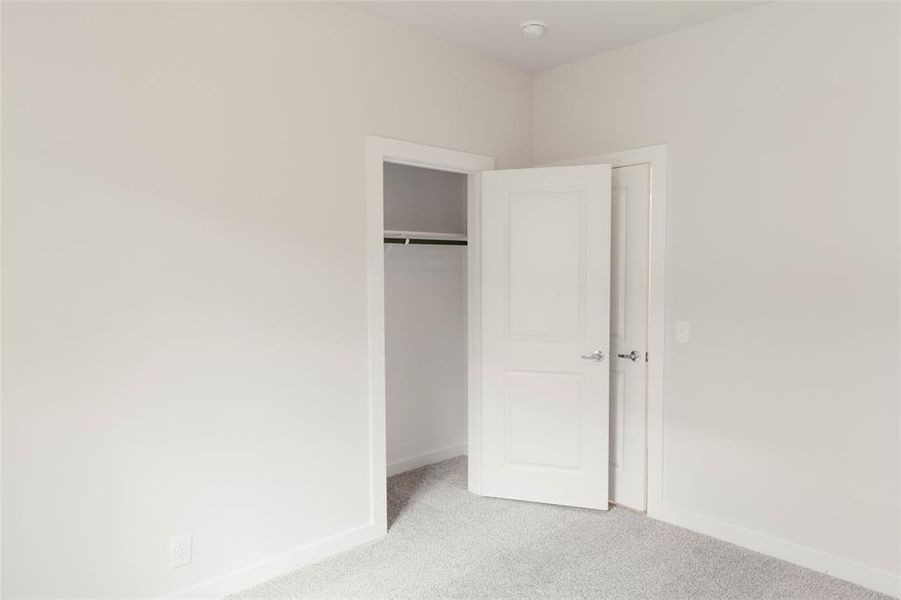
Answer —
683 332
180 550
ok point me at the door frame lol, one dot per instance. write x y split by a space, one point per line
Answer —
655 156
380 150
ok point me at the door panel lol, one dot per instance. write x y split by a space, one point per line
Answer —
544 295
628 333
544 413
545 303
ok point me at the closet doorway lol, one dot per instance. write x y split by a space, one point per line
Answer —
418 239
425 315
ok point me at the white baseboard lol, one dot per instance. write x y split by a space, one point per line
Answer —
279 565
862 575
420 460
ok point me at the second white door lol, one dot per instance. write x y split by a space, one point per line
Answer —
629 334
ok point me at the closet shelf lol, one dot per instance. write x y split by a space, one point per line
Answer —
424 235
394 236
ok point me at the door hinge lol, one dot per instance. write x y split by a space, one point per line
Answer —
645 357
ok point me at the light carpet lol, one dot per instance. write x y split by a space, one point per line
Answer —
444 542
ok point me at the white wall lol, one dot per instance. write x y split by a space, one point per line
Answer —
184 297
781 416
418 199
425 354
425 319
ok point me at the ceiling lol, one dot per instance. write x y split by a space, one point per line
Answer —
574 29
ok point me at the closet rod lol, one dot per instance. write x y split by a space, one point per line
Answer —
433 242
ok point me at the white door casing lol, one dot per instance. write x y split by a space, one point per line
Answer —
628 334
378 151
544 428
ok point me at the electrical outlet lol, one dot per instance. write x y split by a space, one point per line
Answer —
180 550
683 332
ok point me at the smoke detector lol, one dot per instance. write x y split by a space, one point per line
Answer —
532 29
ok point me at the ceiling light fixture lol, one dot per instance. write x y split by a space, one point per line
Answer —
532 29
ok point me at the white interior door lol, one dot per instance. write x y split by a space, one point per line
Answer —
629 334
544 426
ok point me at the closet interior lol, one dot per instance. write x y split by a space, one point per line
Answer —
425 315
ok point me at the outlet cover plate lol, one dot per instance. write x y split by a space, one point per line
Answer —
180 550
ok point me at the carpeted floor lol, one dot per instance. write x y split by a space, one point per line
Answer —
447 543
